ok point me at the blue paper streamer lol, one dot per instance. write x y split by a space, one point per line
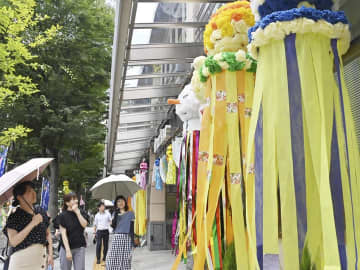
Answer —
259 188
337 196
337 68
297 138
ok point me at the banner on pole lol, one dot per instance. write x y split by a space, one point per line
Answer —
3 155
45 194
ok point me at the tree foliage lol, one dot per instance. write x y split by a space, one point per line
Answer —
17 18
68 113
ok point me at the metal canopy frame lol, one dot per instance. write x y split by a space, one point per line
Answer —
186 1
124 148
160 61
141 117
151 93
143 106
160 51
157 75
169 25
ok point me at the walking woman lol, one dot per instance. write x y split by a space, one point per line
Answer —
72 223
119 255
28 232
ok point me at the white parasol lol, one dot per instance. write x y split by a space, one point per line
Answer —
25 172
114 185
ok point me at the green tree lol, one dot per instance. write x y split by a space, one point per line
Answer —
17 18
67 114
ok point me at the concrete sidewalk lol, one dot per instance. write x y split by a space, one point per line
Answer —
143 258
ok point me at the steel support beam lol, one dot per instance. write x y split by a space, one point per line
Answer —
169 25
151 92
184 1
161 51
143 125
122 20
144 133
161 87
125 162
144 106
127 141
156 75
142 117
131 151
161 61
122 169
127 147
127 155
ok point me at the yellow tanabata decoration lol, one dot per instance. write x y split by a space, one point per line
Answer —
227 28
225 121
171 172
310 154
140 213
66 188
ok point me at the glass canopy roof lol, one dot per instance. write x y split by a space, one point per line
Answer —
155 43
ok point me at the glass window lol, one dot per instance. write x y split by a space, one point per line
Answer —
171 13
175 12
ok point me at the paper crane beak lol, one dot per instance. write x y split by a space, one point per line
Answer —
173 101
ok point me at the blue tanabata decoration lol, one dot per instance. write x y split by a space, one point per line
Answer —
296 13
158 181
271 6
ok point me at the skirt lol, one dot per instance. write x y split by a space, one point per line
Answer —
31 258
119 255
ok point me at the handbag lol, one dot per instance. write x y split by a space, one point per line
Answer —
114 220
94 240
5 255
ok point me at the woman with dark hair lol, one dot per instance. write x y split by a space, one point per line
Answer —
28 232
119 256
72 223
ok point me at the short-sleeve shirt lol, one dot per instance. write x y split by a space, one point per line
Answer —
20 219
74 230
123 222
102 221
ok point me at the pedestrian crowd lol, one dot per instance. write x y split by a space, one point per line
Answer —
30 240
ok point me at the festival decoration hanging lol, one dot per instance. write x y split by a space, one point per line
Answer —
224 80
306 154
187 108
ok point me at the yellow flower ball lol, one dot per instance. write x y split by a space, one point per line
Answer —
224 20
